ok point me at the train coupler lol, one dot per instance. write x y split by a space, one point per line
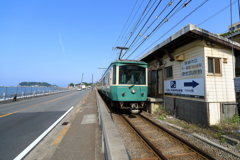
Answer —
134 105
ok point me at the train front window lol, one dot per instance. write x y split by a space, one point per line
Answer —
132 74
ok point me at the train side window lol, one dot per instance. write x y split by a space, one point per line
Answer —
114 74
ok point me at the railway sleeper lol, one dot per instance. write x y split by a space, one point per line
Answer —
181 155
168 151
159 139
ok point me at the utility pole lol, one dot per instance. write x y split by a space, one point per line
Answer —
122 48
82 78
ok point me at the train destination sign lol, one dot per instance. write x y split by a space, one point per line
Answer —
185 87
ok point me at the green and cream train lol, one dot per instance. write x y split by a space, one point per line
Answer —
124 84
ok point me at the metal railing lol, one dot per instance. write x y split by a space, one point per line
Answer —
7 93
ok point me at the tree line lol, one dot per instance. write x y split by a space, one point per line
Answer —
84 83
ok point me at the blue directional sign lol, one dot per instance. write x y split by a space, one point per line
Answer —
185 87
192 84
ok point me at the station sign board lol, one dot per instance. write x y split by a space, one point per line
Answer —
192 67
185 87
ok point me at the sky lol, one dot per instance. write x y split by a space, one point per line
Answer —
70 41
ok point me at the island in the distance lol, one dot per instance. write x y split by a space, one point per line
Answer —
36 84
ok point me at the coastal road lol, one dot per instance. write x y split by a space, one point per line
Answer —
24 121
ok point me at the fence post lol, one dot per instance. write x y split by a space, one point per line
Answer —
6 95
25 92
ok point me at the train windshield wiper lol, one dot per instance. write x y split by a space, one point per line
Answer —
132 85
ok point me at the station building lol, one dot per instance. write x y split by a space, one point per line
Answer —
192 74
234 27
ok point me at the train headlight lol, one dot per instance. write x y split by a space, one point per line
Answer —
133 91
123 94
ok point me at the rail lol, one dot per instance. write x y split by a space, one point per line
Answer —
186 149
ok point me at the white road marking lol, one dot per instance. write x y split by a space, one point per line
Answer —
34 143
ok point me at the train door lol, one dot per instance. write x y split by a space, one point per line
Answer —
152 83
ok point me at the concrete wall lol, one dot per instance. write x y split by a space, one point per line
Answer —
227 111
188 110
199 112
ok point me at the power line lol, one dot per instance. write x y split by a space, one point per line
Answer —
168 4
142 20
132 19
128 19
174 26
239 9
113 49
143 33
138 23
145 22
216 14
157 27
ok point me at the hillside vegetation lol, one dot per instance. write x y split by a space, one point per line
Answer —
40 84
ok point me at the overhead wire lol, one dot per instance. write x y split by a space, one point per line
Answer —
141 22
137 23
113 48
216 13
185 4
128 19
168 4
173 27
145 24
167 19
180 7
131 23
157 27
143 33
239 9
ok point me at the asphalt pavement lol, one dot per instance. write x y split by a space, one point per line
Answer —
77 136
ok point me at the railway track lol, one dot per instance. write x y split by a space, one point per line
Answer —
152 141
165 144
